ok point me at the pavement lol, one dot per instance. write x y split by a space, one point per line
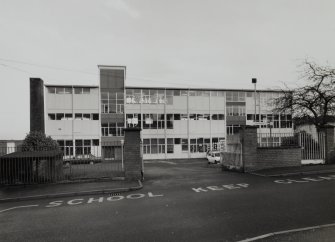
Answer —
40 191
295 170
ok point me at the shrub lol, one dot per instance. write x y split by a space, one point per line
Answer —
38 141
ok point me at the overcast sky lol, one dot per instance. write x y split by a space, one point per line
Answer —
181 43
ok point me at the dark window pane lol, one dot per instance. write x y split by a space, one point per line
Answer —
60 116
52 116
79 142
177 141
95 116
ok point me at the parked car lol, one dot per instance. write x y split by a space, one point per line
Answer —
213 157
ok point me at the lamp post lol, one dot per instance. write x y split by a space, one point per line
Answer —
254 81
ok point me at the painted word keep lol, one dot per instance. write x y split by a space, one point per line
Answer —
221 187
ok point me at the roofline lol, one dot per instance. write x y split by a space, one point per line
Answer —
58 85
204 89
111 67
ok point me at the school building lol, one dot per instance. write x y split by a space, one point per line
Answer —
175 122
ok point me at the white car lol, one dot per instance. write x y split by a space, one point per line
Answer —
213 157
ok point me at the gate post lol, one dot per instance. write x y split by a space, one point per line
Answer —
329 143
132 153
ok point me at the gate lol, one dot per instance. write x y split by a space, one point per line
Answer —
313 148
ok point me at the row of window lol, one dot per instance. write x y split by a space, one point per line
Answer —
197 145
69 90
151 96
112 129
235 110
275 120
69 116
82 147
157 121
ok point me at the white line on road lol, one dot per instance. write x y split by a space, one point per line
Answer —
287 232
27 206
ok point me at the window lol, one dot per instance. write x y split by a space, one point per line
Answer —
86 116
59 116
146 146
95 142
169 121
112 102
216 116
233 129
52 90
184 144
95 116
183 93
176 92
68 116
112 129
81 90
154 146
193 145
161 96
78 116
148 121
193 116
133 119
161 121
177 141
235 110
184 116
52 116
170 146
235 96
169 97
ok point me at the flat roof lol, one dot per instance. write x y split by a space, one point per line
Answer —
205 89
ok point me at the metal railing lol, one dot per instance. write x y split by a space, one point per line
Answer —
44 165
277 139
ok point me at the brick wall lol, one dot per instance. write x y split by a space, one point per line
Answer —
256 158
132 154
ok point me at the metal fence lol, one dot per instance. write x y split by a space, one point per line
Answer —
42 165
277 139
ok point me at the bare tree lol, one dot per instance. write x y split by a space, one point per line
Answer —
315 101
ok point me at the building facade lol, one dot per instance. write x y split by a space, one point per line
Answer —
175 122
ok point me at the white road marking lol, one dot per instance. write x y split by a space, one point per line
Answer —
221 187
286 232
306 179
27 206
78 201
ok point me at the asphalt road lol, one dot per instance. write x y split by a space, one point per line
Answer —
180 201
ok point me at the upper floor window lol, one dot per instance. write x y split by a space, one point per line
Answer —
82 90
60 90
112 102
235 96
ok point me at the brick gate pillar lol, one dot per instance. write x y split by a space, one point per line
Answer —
248 136
329 144
132 154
